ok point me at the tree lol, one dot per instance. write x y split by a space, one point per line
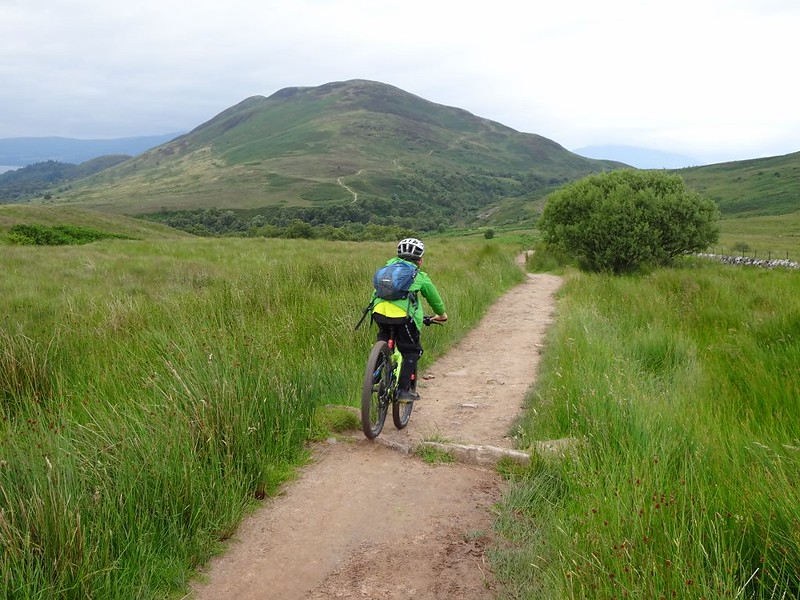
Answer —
620 220
299 229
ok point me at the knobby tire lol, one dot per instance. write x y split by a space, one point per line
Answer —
401 413
375 393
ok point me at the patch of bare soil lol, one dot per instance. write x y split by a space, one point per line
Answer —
366 521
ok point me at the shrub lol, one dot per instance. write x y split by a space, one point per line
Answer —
621 220
58 235
741 247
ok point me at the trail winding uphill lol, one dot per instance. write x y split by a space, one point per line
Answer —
348 188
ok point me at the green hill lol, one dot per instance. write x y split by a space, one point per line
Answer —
757 187
369 153
355 146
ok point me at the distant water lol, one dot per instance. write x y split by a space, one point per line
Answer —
4 168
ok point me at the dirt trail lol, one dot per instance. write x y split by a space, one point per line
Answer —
365 521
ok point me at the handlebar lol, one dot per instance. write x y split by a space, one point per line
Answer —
429 320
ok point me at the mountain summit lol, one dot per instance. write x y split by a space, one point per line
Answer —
355 143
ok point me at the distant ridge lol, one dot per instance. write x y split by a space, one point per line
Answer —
23 151
641 158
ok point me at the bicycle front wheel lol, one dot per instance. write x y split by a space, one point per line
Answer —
375 393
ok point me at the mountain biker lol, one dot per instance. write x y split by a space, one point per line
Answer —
406 315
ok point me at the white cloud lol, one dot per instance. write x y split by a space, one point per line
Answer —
689 76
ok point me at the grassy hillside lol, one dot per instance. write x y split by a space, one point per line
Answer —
760 204
16 214
357 142
763 186
759 200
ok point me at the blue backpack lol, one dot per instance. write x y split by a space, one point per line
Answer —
393 281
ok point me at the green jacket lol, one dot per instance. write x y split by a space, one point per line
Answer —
411 305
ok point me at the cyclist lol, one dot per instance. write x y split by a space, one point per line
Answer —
406 316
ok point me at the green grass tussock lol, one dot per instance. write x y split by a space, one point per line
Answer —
682 385
150 392
25 370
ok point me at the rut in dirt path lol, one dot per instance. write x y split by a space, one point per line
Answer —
364 521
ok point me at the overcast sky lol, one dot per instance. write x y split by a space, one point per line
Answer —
713 79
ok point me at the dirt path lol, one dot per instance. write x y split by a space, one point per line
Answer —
366 521
348 188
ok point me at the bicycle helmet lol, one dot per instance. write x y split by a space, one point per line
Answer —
410 249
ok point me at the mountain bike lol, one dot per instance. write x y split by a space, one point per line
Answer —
380 387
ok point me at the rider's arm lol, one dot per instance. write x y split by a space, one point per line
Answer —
431 295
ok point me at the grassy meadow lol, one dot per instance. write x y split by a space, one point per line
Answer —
682 388
764 236
151 390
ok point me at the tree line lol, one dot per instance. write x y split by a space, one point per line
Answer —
42 178
286 223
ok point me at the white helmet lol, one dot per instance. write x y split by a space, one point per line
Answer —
411 249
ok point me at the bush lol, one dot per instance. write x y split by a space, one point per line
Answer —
621 220
741 247
58 235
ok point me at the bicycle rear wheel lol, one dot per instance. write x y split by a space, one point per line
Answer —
401 413
375 393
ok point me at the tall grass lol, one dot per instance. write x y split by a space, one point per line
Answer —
683 388
150 392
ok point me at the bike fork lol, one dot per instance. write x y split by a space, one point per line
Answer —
397 360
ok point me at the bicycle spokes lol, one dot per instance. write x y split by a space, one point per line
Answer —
376 392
